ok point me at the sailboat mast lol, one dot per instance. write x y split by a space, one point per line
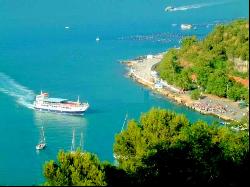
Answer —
81 141
124 121
73 141
43 135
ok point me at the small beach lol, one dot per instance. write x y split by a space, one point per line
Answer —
141 70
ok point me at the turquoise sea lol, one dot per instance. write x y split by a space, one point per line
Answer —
50 45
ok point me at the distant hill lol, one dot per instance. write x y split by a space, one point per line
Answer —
218 64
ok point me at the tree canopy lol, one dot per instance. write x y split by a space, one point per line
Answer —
161 148
224 53
169 149
74 169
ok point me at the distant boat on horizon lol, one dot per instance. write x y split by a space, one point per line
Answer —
169 9
186 26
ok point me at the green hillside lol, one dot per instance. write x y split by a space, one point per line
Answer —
218 64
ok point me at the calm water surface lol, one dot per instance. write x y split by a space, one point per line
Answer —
38 53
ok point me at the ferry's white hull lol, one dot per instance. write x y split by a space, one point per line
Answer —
72 111
59 105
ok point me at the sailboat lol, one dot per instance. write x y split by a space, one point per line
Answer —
124 122
42 143
73 147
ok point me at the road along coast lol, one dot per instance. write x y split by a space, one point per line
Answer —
141 69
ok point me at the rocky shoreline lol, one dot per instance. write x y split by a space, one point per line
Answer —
141 69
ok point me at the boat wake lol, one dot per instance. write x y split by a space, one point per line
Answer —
194 6
22 95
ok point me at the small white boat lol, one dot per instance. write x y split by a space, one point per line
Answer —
42 143
66 27
97 39
186 26
169 9
40 146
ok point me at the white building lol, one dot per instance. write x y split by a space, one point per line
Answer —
154 74
149 56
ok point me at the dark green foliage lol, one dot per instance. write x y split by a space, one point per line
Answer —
115 176
195 94
184 80
74 169
237 92
232 39
208 59
203 74
217 83
189 41
162 148
168 149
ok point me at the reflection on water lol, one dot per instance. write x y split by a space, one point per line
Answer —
55 119
58 131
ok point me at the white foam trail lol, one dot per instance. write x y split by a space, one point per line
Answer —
194 6
22 95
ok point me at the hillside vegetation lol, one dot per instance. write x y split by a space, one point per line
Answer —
161 148
213 65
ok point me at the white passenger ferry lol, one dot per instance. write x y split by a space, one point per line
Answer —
44 103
